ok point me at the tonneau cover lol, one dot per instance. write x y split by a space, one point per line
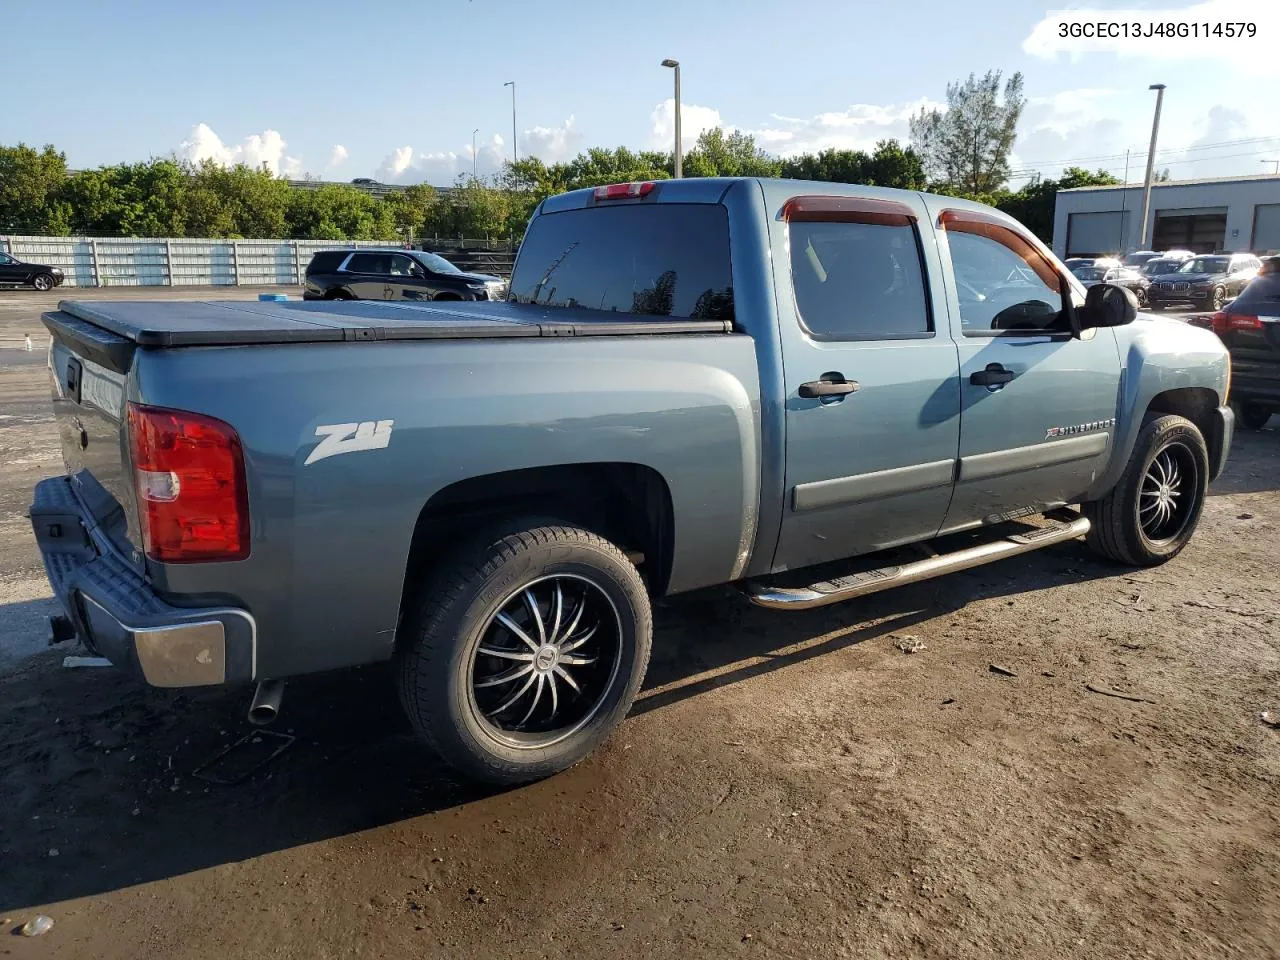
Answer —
202 323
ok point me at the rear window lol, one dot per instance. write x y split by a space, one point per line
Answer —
1262 292
654 259
379 263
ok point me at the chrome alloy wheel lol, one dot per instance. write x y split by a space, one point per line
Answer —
545 661
1166 498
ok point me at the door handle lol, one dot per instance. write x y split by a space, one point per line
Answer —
993 376
816 389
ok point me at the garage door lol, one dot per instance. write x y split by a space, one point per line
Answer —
1096 234
1202 230
1266 228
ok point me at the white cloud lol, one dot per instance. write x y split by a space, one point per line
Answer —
693 121
338 156
1247 54
255 150
857 127
551 144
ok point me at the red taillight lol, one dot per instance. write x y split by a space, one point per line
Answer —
189 478
1219 323
621 191
1241 321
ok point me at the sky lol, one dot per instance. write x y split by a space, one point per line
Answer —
393 91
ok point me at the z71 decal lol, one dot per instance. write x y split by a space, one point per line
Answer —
350 437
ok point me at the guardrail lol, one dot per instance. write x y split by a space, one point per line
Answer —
160 262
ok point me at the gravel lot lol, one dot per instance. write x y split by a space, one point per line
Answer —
789 785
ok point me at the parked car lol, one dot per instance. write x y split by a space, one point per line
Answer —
394 275
1160 266
1128 277
693 382
1207 282
1139 257
1250 328
16 273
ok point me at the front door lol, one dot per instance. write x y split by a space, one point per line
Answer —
1038 405
872 405
10 270
369 276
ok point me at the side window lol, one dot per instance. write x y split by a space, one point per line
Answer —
369 263
5 260
1003 283
404 267
859 281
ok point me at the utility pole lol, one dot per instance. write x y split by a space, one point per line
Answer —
1277 163
515 153
1151 162
675 65
473 152
1124 195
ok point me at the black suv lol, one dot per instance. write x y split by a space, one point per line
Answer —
1207 281
1250 328
13 272
395 275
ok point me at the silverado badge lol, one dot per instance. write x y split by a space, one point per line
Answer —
1054 432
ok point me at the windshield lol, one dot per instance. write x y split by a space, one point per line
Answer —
434 263
1089 274
1205 265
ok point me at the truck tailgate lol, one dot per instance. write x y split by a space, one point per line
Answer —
89 369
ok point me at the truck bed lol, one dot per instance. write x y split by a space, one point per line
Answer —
160 324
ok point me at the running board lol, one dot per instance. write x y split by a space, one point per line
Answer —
1069 526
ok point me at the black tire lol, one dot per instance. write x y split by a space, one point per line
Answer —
441 671
1253 416
1118 530
1141 296
42 282
1155 306
339 295
447 297
1218 299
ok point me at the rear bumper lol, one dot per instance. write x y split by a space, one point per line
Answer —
1256 383
1220 434
119 616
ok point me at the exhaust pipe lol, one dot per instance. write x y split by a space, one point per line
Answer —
265 706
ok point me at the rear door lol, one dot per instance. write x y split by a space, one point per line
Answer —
873 393
1039 406
368 276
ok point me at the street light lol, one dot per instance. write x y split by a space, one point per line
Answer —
675 65
1151 162
473 152
515 156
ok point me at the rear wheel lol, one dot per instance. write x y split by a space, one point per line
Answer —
1253 416
1151 513
42 282
525 651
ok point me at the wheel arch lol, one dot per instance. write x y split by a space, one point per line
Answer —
628 504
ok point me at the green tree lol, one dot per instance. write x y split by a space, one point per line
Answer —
339 212
412 209
1033 205
892 165
967 145
30 181
720 154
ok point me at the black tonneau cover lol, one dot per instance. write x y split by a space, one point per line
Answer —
205 323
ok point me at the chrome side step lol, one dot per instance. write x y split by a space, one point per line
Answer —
1069 526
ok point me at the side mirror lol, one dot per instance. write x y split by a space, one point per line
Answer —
1106 305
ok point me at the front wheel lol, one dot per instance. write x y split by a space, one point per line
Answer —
525 651
1218 299
1141 296
42 282
1151 513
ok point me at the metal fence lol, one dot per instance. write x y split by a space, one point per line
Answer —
119 262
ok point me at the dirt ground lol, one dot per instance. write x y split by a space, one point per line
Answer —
789 785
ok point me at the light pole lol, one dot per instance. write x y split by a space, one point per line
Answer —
1151 162
515 155
675 65
473 152
1277 163
1124 195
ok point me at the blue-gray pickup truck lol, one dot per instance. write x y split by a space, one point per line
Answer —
692 382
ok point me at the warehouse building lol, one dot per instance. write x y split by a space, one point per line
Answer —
1206 216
